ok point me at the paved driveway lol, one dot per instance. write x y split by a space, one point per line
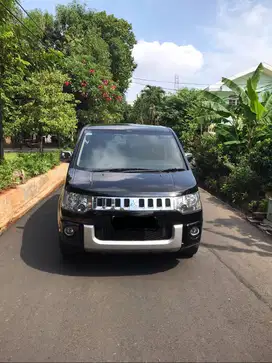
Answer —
214 307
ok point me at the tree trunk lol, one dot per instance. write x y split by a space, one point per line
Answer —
41 144
1 133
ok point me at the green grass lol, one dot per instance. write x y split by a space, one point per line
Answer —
10 156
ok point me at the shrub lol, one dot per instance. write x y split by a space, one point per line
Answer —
6 175
211 164
242 184
32 164
260 160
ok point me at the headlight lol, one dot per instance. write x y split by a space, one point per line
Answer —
189 203
75 202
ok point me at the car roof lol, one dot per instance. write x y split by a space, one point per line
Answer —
127 126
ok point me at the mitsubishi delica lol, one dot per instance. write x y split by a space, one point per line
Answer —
129 188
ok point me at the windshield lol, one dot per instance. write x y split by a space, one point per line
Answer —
118 149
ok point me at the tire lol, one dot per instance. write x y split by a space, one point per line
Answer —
188 252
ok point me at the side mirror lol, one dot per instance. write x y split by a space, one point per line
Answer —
66 156
189 157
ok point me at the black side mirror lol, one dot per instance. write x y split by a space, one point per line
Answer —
65 156
189 157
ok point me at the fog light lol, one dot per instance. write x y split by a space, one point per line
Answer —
194 231
69 231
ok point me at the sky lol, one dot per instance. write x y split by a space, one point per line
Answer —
200 41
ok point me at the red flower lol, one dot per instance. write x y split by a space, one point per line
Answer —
113 87
100 86
105 94
67 83
106 82
92 71
83 83
110 98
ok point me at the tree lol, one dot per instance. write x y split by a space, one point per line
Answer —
46 109
120 38
180 110
8 59
97 43
247 123
147 107
90 52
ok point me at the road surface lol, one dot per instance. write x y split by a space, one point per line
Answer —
214 307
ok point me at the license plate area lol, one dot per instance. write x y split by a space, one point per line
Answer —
135 223
133 228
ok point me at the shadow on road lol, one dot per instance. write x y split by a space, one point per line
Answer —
40 250
249 236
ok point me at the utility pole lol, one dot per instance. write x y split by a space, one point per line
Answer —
176 82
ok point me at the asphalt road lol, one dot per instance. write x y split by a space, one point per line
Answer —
214 307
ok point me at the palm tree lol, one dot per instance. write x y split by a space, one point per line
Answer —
246 123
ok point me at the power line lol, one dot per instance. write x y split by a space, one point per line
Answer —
145 84
27 13
23 25
165 88
171 82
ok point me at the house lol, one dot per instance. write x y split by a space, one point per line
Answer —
241 78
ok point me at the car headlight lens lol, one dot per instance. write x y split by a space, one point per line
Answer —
75 202
189 203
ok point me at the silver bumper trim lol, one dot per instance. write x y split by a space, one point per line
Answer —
91 243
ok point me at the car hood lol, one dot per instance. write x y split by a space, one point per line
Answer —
130 184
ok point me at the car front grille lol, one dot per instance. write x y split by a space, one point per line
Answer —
133 229
133 204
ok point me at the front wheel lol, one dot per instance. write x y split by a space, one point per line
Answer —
188 252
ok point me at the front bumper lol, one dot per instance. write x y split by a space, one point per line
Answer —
92 243
87 238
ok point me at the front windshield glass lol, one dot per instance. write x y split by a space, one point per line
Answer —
114 149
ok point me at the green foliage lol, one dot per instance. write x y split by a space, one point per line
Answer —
212 164
71 69
241 185
45 108
243 125
232 145
32 164
148 106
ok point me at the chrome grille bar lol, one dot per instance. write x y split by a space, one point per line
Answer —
133 203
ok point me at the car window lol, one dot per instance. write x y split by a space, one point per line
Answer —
115 149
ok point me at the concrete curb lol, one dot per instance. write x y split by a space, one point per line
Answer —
14 203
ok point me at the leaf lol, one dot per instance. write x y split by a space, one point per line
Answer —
268 102
236 89
256 76
217 108
233 142
255 105
214 98
208 119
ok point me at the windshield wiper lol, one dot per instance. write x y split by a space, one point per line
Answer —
171 170
122 170
133 170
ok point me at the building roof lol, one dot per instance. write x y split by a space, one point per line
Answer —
218 85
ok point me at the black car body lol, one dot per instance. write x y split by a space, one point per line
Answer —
129 188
